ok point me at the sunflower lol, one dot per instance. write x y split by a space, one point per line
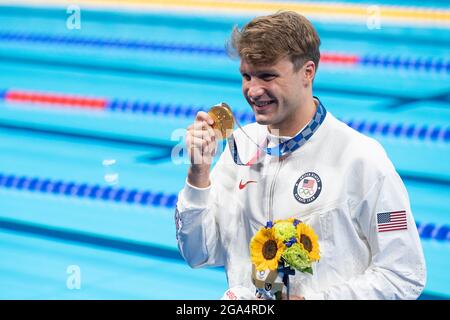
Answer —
266 250
309 240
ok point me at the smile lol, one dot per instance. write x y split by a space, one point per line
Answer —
262 105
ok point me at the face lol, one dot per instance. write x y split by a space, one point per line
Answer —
276 92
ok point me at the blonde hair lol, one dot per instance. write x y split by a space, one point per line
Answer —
267 39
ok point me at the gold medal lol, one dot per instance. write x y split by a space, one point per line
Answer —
223 119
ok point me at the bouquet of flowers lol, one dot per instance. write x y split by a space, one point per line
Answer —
281 247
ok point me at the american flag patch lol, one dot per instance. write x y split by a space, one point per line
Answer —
308 183
391 221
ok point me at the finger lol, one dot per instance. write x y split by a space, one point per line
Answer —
199 143
199 125
203 116
204 130
199 151
205 145
206 133
212 133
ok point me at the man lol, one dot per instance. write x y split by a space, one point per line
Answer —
326 174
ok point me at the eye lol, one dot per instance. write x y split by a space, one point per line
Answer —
268 76
246 77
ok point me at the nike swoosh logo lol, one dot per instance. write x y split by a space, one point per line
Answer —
242 186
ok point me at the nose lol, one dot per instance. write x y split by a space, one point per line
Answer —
255 91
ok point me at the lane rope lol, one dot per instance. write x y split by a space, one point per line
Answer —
387 129
428 64
143 198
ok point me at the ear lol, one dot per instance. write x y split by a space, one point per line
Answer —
309 73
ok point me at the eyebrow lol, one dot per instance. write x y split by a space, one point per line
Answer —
259 72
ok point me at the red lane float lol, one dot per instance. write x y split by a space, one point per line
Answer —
339 58
54 99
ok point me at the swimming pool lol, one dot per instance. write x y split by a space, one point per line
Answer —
87 116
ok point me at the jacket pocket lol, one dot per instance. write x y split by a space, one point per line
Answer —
322 220
342 248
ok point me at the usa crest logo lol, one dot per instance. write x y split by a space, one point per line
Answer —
307 188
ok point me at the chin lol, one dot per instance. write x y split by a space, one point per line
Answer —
262 120
264 117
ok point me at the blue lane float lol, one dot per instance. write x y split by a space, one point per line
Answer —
84 190
396 130
428 64
399 130
144 198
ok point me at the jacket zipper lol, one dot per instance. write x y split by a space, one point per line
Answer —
272 189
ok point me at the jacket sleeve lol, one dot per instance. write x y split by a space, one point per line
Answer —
197 216
397 269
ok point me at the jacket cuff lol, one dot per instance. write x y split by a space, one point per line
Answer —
195 197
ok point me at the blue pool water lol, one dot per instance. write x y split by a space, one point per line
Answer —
126 249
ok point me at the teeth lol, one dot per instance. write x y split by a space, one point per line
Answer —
264 103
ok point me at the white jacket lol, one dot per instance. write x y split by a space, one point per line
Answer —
354 182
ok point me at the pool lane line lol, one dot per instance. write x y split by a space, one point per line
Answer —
80 135
144 198
439 97
164 150
429 64
410 177
91 239
110 243
386 129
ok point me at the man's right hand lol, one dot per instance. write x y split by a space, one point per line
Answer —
201 144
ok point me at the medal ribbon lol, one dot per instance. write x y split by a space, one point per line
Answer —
283 148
